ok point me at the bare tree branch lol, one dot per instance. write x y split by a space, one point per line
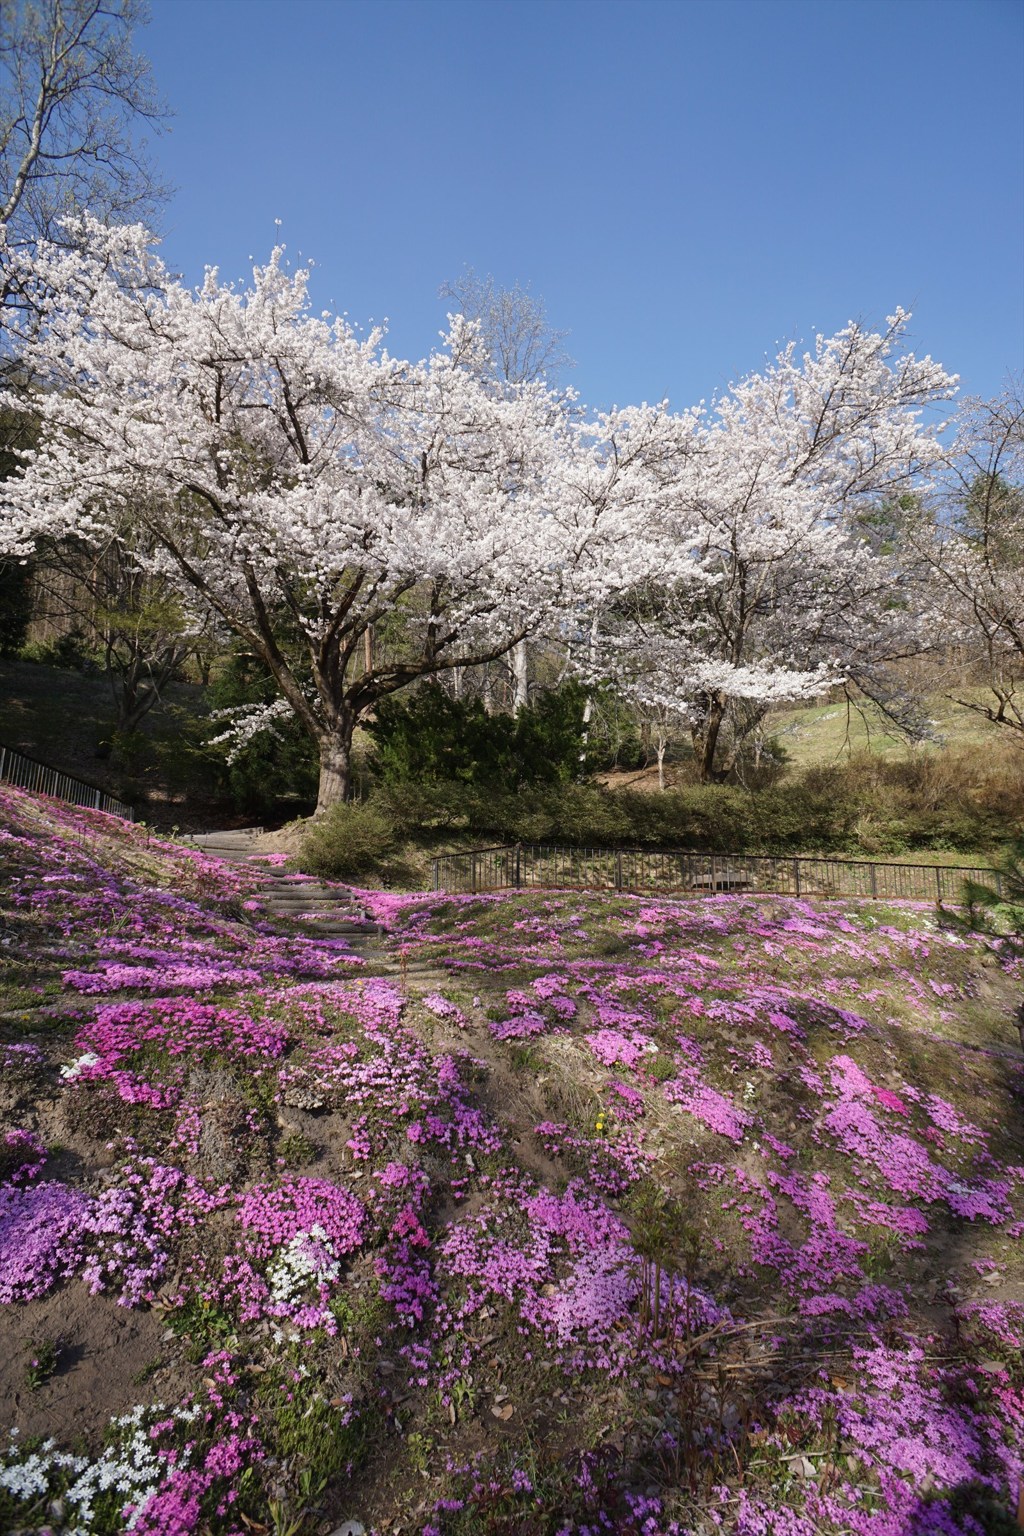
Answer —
73 95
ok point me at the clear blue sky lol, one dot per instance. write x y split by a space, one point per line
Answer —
684 182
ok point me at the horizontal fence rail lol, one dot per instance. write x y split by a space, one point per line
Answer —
526 866
25 773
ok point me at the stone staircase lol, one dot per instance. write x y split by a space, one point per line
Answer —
315 908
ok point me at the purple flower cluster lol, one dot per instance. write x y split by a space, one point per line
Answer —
22 1157
131 1227
40 1238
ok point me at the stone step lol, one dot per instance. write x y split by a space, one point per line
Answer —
351 913
317 915
238 856
314 916
242 837
336 930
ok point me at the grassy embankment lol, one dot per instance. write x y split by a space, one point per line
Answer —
586 1213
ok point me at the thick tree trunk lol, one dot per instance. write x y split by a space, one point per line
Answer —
335 772
705 739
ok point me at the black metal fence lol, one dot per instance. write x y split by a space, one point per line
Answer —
25 773
530 866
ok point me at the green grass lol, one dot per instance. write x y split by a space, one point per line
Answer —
817 734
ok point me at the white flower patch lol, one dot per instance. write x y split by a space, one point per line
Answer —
307 1258
134 1468
28 1478
89 1059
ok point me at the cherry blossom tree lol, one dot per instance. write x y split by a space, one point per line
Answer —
519 346
765 586
307 489
294 478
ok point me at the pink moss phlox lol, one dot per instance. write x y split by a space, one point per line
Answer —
147 978
628 1103
131 1227
273 1215
443 1009
190 1494
398 1195
611 1165
706 1104
901 1161
613 1047
889 1100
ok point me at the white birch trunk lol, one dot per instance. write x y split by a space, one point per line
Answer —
520 695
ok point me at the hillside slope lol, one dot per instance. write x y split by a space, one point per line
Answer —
587 1214
813 734
66 719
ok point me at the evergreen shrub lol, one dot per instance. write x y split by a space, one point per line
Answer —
425 737
347 841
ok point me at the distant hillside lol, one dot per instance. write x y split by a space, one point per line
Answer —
825 732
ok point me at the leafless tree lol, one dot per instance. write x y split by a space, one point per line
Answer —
977 556
73 95
522 344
